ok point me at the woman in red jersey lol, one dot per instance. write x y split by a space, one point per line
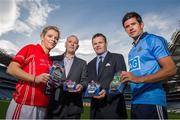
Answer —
31 66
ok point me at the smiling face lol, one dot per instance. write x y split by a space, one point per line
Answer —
49 40
99 45
133 28
71 44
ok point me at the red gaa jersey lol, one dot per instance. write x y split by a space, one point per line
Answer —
35 61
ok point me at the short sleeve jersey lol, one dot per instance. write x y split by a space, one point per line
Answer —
143 60
33 60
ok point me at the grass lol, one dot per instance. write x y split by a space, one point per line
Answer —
174 115
85 115
3 107
4 104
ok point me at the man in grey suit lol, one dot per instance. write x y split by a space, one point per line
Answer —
106 105
64 104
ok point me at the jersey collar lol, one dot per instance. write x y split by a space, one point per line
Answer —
142 36
41 49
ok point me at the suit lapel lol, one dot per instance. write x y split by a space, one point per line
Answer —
94 67
72 67
106 60
60 58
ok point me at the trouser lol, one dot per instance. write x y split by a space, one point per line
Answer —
146 111
19 111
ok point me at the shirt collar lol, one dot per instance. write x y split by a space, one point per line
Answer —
41 49
141 37
69 58
103 55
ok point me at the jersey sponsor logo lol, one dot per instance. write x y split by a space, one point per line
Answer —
134 63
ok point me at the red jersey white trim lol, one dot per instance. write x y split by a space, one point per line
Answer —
33 60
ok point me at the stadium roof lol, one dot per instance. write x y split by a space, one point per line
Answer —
175 53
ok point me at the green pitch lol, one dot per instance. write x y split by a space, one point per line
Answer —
3 107
4 104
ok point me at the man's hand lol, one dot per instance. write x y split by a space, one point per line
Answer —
129 77
79 88
42 78
102 94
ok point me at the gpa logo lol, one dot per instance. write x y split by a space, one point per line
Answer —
134 63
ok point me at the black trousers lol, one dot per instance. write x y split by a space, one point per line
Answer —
147 111
74 116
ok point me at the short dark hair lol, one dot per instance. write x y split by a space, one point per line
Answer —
99 35
131 15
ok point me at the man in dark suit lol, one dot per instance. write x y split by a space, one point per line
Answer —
106 105
64 104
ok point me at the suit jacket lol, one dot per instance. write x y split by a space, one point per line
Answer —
65 103
113 105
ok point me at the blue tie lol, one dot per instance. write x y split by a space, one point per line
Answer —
100 64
